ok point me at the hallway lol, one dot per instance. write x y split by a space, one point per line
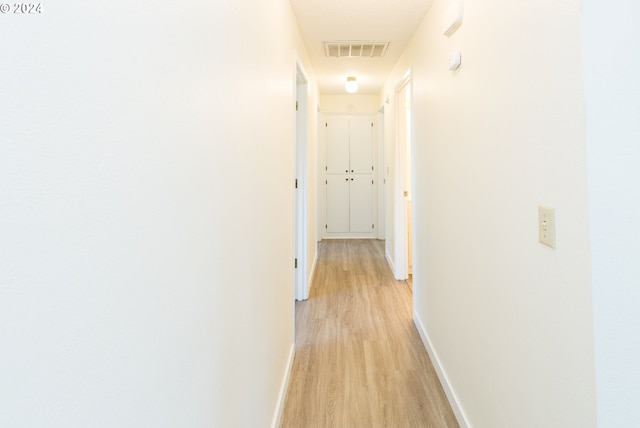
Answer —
150 221
359 359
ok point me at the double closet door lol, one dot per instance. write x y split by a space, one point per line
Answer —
350 189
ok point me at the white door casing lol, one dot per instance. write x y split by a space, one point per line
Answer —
300 263
402 183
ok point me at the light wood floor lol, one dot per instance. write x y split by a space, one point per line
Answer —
359 359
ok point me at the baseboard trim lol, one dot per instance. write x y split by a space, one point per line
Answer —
444 380
313 272
277 417
389 261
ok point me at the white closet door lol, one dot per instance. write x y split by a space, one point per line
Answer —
350 193
338 203
361 203
337 145
361 145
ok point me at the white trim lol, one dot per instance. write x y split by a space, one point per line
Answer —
444 380
282 396
321 207
401 241
313 272
381 175
301 175
389 260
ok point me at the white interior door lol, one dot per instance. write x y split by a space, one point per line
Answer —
338 203
361 145
337 145
361 207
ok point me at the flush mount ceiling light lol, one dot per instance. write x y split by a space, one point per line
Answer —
351 86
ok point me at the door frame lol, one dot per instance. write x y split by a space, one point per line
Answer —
300 187
380 176
401 265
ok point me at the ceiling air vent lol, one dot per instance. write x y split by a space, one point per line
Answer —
355 49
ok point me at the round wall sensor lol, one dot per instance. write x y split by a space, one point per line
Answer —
455 59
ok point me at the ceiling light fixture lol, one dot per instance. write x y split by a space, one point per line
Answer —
351 86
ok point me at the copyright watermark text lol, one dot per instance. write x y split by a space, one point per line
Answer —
21 8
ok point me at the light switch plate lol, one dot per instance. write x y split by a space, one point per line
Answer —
547 226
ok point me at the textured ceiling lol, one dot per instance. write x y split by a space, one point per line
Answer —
392 21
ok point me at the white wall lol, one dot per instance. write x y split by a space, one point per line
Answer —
349 103
509 319
146 212
611 45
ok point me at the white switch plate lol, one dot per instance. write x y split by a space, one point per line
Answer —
547 225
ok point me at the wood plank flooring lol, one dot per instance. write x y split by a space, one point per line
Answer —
359 359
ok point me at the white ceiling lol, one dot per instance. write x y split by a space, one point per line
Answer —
392 21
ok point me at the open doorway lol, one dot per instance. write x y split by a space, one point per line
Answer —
403 182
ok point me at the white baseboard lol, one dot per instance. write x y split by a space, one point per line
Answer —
313 272
444 380
389 261
283 391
